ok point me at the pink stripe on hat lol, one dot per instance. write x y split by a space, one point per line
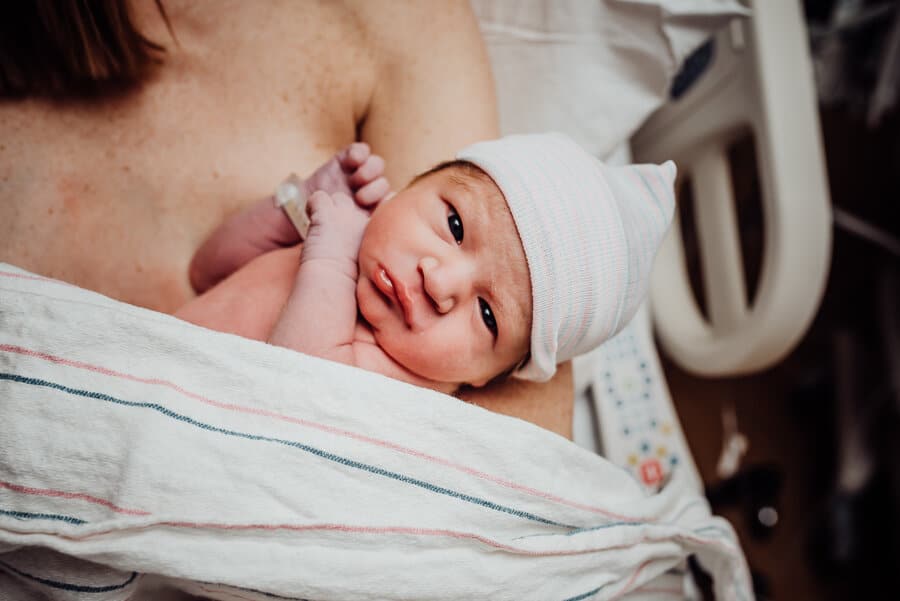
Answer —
590 233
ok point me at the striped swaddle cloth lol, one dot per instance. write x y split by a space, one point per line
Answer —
136 449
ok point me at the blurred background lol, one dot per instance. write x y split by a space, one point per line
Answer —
815 495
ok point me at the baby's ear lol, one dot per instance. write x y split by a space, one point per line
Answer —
479 383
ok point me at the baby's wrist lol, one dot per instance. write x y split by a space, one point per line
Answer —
331 264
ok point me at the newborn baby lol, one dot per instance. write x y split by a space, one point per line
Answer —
519 255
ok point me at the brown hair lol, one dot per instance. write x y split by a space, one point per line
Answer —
466 167
63 48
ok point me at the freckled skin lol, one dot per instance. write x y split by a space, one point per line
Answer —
143 178
410 80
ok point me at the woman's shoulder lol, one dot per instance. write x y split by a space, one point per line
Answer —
411 28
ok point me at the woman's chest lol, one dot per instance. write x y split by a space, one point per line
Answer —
116 196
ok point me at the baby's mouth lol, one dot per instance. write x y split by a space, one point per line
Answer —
395 292
385 285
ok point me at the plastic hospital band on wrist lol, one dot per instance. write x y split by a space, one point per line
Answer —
291 196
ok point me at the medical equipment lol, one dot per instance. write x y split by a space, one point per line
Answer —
757 79
291 197
761 81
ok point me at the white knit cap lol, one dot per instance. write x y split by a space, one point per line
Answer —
590 233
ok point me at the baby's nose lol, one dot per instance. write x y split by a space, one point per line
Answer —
443 282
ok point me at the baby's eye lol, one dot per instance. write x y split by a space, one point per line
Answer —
487 316
456 226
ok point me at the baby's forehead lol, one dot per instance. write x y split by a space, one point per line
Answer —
500 237
482 188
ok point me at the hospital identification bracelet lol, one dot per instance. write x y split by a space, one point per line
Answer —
291 196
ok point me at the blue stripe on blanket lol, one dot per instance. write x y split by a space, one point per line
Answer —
66 586
297 445
588 594
25 515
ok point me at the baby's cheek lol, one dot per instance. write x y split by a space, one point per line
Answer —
447 354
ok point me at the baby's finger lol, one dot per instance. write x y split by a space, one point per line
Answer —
341 199
354 155
373 193
317 202
370 170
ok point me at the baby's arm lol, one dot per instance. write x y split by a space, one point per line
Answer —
320 315
262 227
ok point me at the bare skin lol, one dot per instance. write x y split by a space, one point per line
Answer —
354 171
117 195
267 282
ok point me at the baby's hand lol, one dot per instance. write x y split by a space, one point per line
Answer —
336 229
353 171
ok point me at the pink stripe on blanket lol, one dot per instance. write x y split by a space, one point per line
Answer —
49 492
627 588
325 428
409 531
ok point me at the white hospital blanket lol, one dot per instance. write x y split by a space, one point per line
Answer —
132 443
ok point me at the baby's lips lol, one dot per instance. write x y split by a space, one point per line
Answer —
397 291
384 279
384 284
406 302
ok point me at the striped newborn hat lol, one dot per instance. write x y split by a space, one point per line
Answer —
590 233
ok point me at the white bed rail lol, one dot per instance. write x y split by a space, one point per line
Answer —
760 80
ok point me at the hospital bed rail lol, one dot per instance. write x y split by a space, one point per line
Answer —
759 81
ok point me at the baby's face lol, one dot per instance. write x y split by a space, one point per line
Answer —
443 280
